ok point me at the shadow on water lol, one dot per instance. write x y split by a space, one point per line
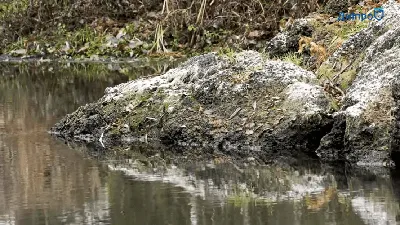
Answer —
46 181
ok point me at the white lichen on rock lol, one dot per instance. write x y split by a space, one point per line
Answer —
286 97
306 98
370 106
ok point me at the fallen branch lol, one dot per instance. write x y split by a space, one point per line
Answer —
343 70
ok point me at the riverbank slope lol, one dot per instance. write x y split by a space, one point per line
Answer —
248 104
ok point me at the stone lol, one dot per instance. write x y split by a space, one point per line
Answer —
288 40
205 92
366 132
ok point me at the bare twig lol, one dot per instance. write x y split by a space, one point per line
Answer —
343 70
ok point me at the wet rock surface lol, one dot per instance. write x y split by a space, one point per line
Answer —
242 106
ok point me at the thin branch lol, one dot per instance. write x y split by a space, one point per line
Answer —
343 70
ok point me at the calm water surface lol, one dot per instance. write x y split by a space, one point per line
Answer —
46 181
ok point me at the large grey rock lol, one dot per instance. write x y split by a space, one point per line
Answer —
369 118
357 44
288 40
241 105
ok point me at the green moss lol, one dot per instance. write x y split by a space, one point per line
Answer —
334 105
325 71
109 108
265 55
228 53
144 97
347 78
348 28
256 68
136 119
130 29
115 130
339 29
334 44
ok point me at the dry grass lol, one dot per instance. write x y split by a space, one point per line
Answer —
168 17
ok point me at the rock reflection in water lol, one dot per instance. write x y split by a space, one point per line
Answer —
220 194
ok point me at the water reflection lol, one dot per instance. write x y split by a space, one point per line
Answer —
42 181
220 194
45 181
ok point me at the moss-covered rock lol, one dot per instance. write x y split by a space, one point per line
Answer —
240 104
366 127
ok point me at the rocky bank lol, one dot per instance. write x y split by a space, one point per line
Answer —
366 128
248 105
244 105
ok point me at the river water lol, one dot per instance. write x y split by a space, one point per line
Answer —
46 181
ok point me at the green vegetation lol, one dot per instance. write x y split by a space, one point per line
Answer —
229 53
333 35
325 71
133 28
334 105
169 29
293 57
345 29
347 78
13 7
92 71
